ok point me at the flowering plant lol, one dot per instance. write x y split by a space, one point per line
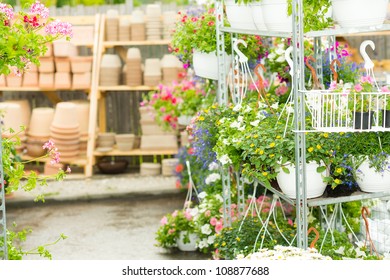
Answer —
171 226
196 29
181 98
285 253
24 35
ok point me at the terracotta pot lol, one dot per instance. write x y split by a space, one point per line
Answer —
46 65
46 80
13 80
65 115
62 80
34 149
25 110
134 54
151 142
81 80
12 117
68 131
2 81
64 49
64 137
150 169
62 64
81 64
82 108
30 79
41 119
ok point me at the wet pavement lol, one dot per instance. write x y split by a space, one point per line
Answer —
114 226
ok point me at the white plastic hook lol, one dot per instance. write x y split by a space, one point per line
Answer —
368 64
242 57
289 60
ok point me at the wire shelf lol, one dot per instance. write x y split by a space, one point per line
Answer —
348 112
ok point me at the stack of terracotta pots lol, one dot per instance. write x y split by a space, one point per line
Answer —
169 20
152 74
171 67
134 67
138 26
65 131
112 25
13 120
82 109
110 70
81 67
39 130
153 22
124 29
105 141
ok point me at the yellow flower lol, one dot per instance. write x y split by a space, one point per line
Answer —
252 145
248 137
223 244
326 135
261 152
319 147
255 136
278 137
272 145
310 149
214 107
238 239
339 170
206 111
337 181
265 174
201 118
216 245
271 155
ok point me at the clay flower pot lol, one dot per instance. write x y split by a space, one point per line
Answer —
81 64
65 115
125 142
12 117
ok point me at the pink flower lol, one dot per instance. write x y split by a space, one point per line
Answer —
281 90
7 10
49 145
265 210
207 213
385 89
188 215
358 88
290 222
172 230
39 9
174 214
58 27
218 227
333 85
164 221
213 221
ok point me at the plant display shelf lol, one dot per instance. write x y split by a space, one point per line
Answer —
98 94
80 161
298 35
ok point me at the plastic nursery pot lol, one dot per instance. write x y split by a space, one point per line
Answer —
363 120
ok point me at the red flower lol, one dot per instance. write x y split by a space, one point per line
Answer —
179 168
191 151
210 23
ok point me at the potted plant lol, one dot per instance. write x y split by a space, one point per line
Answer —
194 41
177 229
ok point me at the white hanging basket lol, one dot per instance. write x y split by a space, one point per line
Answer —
275 15
315 186
206 64
187 247
239 15
357 13
257 15
369 180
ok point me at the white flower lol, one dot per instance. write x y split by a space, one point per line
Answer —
202 195
262 105
340 250
213 166
205 229
359 253
211 239
213 177
247 109
222 120
225 141
275 106
241 128
219 197
225 159
240 118
281 59
271 56
194 211
203 243
255 123
235 124
237 108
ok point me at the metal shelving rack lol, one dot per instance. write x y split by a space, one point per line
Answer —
3 230
301 202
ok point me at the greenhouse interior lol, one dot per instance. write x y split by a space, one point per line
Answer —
244 123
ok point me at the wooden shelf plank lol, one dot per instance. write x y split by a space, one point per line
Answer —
137 152
126 88
33 89
111 44
80 161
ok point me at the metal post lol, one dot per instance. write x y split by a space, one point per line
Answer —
226 195
240 194
299 124
318 57
222 94
3 228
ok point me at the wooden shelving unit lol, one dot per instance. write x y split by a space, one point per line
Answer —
96 94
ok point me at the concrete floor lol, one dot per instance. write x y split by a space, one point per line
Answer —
99 229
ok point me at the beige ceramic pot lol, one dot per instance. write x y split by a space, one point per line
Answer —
81 64
65 115
12 117
41 119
